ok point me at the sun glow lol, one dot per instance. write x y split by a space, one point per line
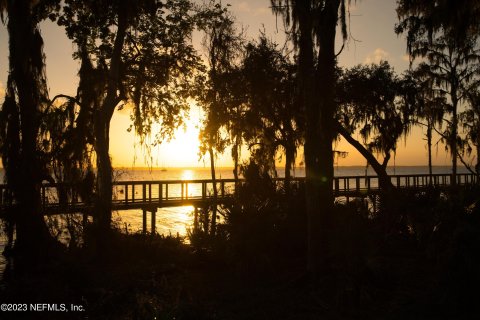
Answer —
187 174
182 150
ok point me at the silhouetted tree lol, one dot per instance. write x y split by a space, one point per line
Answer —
373 102
459 18
470 120
25 100
222 43
134 53
273 121
314 26
67 145
429 106
452 59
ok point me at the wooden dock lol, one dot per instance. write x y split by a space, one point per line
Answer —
149 196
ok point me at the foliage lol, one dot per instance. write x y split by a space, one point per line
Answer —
216 92
20 118
67 144
292 11
452 58
273 119
470 121
313 30
262 229
430 104
157 61
424 19
375 101
136 54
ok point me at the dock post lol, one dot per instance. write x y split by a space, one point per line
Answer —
154 217
144 222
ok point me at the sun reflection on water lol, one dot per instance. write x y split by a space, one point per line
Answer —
169 221
187 174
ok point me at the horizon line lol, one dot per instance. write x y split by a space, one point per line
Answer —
280 167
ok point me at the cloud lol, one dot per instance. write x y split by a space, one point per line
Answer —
376 56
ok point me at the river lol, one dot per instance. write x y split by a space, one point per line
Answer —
176 221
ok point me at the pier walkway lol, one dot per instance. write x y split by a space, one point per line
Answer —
149 196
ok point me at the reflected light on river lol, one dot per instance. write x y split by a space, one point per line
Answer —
187 174
169 221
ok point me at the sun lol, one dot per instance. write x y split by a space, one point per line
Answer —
182 150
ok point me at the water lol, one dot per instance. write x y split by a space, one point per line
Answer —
177 221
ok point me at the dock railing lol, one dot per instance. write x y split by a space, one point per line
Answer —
164 193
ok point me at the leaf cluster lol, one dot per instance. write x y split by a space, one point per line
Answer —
157 61
423 19
374 101
294 11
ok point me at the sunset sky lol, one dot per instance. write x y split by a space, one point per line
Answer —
371 25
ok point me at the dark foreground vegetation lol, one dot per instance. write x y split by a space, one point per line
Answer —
295 253
415 258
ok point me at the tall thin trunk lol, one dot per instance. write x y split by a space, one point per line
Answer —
235 156
429 147
103 203
453 138
215 192
289 160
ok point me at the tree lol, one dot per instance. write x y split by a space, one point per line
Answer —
273 120
429 105
66 136
314 26
25 100
470 120
375 103
425 19
221 42
453 59
134 53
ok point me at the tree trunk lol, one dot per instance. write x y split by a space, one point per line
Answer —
215 193
306 90
477 165
453 138
318 98
235 156
429 147
383 178
389 198
23 168
103 201
102 118
289 161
